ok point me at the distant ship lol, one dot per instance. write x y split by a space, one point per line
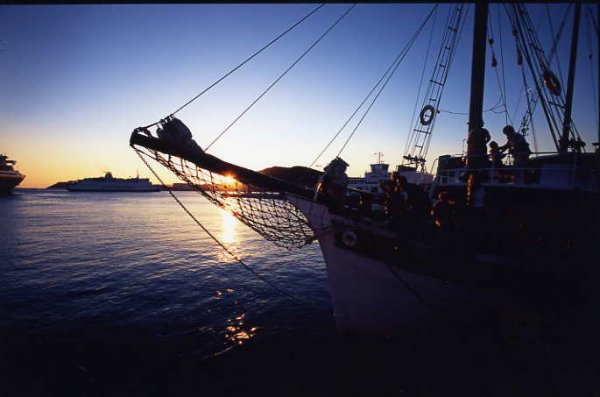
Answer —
9 177
372 181
108 183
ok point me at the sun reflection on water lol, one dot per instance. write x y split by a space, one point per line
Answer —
237 332
228 223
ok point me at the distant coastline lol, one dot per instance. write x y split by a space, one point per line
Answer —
175 186
61 185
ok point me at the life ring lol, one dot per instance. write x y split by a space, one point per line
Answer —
349 238
551 82
427 114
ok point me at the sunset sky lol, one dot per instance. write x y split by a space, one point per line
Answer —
76 80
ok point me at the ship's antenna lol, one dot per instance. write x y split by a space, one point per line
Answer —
379 156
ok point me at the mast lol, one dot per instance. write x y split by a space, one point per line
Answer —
476 102
564 139
478 65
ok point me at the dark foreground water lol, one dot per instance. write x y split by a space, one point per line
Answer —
123 294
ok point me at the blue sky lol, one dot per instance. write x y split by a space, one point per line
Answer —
76 80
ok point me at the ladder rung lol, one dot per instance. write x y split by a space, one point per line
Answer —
436 82
556 104
452 29
422 131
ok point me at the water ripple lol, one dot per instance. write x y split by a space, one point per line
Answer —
72 260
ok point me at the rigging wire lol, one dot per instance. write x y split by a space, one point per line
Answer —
491 109
537 63
215 239
555 43
530 111
367 96
552 54
593 75
451 60
592 18
397 63
413 118
281 76
246 60
501 86
502 63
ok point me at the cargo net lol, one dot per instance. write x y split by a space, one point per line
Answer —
268 213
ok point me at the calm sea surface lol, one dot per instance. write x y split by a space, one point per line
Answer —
123 294
80 259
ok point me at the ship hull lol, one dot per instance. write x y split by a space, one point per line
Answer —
378 298
8 181
371 297
112 186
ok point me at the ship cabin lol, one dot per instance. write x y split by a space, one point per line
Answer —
371 182
568 172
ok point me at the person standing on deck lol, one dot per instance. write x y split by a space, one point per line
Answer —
496 155
517 146
333 183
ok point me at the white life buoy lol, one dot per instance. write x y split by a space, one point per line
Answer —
427 114
349 238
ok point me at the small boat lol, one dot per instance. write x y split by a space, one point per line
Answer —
108 183
9 177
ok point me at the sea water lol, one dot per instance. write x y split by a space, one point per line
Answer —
93 264
80 259
124 294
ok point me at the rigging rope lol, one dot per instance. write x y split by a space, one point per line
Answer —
450 61
593 75
214 238
397 63
501 84
414 113
281 76
361 104
491 109
556 39
246 60
502 64
592 18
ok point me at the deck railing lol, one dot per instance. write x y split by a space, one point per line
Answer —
540 174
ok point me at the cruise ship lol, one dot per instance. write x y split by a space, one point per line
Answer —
108 183
9 177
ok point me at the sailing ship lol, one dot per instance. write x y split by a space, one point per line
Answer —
9 177
520 236
108 183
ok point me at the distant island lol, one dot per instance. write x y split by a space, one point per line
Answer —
61 185
297 174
